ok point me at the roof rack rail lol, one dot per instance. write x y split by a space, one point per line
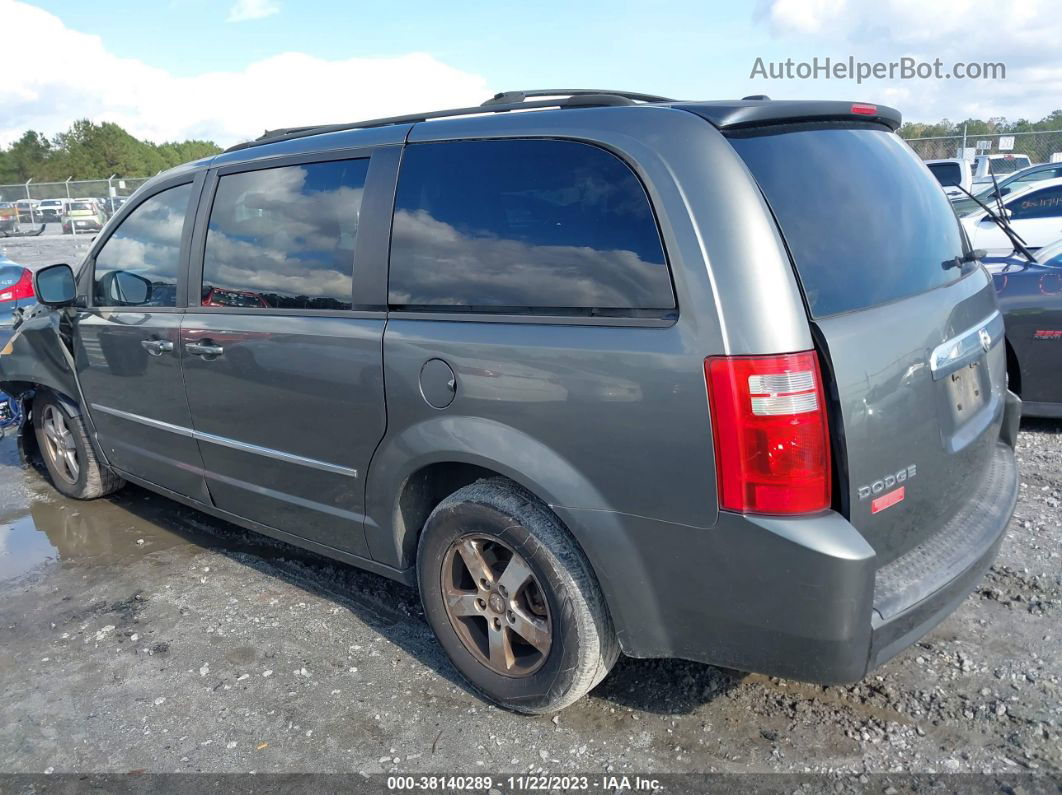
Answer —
509 97
500 103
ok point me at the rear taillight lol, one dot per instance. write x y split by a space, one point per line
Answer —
772 446
21 289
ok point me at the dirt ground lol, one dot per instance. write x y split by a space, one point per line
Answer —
136 634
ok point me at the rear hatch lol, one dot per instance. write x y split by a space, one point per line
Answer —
910 335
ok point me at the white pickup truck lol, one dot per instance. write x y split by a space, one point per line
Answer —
955 175
987 166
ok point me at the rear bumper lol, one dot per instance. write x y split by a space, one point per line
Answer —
798 598
1050 410
918 590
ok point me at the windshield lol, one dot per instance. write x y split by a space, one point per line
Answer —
864 221
967 206
80 206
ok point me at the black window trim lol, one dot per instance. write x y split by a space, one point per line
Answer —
380 180
87 274
647 318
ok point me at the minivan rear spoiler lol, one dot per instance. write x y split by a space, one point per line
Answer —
736 114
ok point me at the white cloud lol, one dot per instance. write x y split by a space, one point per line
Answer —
804 16
1023 34
80 78
252 9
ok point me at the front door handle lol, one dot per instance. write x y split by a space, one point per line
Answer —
206 349
157 347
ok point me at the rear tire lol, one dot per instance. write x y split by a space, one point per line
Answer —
537 645
68 455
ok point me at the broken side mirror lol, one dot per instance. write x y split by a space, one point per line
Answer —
55 286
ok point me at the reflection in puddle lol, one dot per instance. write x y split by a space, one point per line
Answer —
68 531
38 525
22 547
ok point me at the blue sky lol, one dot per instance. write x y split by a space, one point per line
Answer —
689 48
227 69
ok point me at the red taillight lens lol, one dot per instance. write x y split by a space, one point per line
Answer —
864 110
21 289
772 446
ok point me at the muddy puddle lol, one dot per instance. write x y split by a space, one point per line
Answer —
39 527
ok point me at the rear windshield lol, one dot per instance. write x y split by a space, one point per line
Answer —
1007 165
864 221
947 174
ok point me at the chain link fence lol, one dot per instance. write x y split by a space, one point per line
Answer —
103 190
1042 146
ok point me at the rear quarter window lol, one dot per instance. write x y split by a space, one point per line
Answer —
524 226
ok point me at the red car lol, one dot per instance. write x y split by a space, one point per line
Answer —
216 296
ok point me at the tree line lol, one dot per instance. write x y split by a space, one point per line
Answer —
996 125
93 151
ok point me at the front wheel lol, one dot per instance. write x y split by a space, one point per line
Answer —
512 599
68 455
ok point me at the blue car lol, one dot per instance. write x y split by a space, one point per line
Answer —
1030 297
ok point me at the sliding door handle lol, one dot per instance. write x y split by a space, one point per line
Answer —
206 349
157 347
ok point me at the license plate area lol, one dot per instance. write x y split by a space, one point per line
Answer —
966 391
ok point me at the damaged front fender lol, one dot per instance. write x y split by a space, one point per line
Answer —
37 355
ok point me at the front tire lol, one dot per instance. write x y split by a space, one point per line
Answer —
512 599
68 455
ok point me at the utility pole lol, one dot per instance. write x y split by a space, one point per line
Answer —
30 200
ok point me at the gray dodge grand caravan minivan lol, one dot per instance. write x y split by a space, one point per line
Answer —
712 380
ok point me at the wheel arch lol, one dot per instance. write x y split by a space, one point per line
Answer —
415 470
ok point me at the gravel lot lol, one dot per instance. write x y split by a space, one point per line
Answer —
137 635
51 247
140 635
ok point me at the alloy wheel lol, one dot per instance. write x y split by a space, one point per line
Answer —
59 444
496 605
